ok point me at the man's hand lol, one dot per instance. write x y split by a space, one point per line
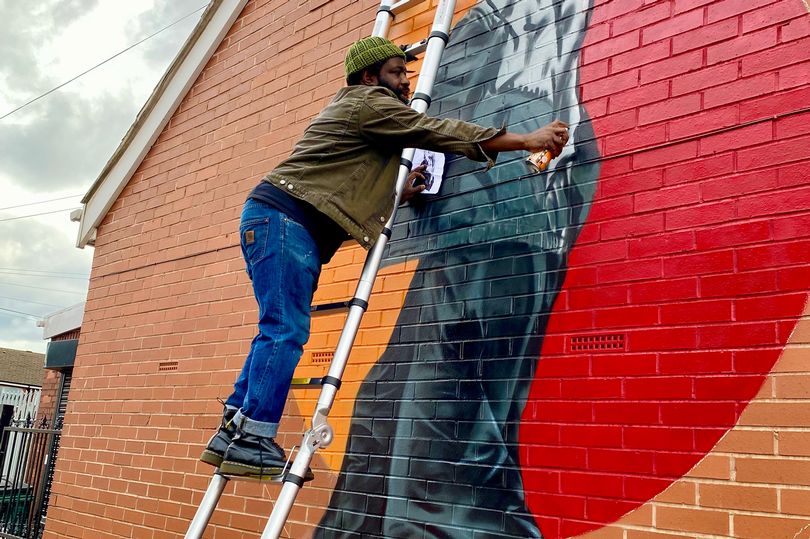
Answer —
551 137
410 190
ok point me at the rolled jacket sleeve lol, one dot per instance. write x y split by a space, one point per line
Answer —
383 119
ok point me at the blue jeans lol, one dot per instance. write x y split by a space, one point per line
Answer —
283 264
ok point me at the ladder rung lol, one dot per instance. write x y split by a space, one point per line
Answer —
304 383
329 308
402 5
417 48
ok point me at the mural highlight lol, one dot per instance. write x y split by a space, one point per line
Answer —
433 444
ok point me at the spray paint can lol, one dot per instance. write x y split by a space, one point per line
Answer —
539 161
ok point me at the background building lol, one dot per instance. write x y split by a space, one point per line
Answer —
21 378
615 349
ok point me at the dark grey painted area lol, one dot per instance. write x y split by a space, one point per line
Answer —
433 446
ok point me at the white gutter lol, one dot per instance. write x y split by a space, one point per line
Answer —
62 321
156 113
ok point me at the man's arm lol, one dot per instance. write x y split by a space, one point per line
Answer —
385 120
551 137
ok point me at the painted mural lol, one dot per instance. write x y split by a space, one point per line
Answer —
433 446
568 349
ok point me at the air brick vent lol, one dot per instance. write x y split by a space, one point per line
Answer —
167 366
322 357
606 342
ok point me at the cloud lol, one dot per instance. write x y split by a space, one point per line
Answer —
27 246
65 12
66 141
27 26
159 50
60 143
63 140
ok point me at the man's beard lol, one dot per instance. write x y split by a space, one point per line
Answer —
399 93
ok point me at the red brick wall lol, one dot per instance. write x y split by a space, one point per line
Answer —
694 252
49 396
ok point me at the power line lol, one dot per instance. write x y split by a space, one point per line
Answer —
30 301
37 203
35 214
3 272
100 64
20 313
46 271
48 289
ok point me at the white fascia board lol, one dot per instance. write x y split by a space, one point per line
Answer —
181 75
62 321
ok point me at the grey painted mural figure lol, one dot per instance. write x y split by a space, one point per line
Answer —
433 444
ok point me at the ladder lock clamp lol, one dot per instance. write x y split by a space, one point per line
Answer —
331 380
441 35
294 479
423 96
359 302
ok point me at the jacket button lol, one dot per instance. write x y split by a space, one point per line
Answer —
290 187
382 219
282 182
365 239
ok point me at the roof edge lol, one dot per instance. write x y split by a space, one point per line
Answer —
62 321
198 49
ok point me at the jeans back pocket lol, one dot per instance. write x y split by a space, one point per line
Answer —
253 239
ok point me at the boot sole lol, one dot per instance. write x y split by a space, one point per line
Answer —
269 473
209 457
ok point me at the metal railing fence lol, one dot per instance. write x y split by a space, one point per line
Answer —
27 457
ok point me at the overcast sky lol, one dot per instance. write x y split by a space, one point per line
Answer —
56 147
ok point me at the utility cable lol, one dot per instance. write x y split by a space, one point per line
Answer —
3 272
45 271
20 313
47 289
100 64
37 203
30 301
35 214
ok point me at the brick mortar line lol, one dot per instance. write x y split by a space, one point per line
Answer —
757 428
733 511
685 478
761 456
677 505
777 400
679 534
160 262
774 400
733 482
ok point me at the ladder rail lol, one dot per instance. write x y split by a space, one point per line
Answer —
320 434
385 16
207 506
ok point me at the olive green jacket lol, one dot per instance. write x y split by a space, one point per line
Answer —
346 163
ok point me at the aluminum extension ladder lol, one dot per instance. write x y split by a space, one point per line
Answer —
321 434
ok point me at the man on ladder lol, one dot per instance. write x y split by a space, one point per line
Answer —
339 181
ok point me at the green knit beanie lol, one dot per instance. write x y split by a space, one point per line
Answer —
368 51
